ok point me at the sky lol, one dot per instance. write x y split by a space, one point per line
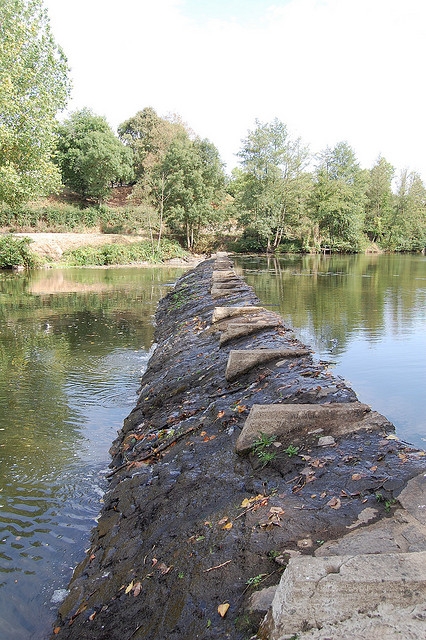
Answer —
331 70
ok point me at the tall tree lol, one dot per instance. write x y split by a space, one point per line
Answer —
380 200
34 87
149 136
338 199
90 156
406 230
272 190
192 188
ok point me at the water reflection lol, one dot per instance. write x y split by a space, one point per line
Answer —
73 344
367 314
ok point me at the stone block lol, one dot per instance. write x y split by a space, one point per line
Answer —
222 313
316 591
243 361
296 422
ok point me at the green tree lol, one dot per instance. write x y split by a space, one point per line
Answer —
149 136
34 87
380 200
338 199
406 229
271 192
90 156
193 187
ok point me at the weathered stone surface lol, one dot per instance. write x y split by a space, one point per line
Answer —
220 276
318 591
243 360
240 330
413 497
260 601
386 622
221 313
299 420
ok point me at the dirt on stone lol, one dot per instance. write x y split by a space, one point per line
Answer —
189 528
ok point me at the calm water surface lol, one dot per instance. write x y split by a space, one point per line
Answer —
366 315
73 345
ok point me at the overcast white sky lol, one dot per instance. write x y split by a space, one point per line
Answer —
331 70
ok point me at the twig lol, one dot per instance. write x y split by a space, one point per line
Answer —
154 452
217 566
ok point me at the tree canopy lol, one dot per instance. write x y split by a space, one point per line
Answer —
90 156
34 87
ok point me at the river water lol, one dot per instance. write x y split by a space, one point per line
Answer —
364 314
73 345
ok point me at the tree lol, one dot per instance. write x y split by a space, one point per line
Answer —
149 136
380 200
272 191
406 229
90 156
34 87
338 199
192 188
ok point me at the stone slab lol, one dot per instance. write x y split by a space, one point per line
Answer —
318 591
242 361
387 622
223 275
400 534
221 313
297 421
234 331
413 498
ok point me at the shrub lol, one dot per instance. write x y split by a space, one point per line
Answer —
136 252
15 252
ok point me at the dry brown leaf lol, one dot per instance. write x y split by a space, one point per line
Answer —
222 521
163 568
154 562
276 511
334 503
374 468
222 609
227 526
56 630
241 408
220 415
137 589
129 587
357 476
92 616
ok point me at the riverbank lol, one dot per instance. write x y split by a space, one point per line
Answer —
190 528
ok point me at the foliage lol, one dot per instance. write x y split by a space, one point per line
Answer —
380 200
338 199
271 189
15 252
90 156
149 137
193 187
34 86
261 448
114 254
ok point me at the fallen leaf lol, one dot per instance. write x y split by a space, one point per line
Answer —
227 526
220 415
222 609
163 568
334 503
203 433
137 589
357 476
276 511
374 468
222 521
129 587
154 562
241 408
92 616
391 436
245 503
56 630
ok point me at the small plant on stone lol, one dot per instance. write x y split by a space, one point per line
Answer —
261 446
256 580
291 451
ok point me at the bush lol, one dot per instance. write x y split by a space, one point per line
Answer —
15 252
114 254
